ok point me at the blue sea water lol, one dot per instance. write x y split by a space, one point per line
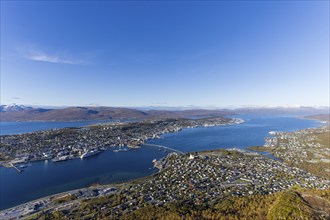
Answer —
25 127
250 133
46 178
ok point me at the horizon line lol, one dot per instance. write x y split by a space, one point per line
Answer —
186 107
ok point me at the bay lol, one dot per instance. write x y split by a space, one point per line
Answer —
45 178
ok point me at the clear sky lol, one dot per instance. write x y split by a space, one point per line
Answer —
165 53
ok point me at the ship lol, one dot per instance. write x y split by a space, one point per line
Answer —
89 153
121 149
62 158
22 166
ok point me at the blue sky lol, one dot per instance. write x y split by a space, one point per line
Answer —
165 53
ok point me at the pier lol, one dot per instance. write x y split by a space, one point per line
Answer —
16 168
167 148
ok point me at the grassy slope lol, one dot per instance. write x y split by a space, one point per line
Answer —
297 203
292 204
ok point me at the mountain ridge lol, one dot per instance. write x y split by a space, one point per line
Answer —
80 113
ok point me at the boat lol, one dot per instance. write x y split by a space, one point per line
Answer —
22 166
120 150
134 146
89 153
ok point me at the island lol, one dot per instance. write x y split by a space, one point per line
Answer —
71 143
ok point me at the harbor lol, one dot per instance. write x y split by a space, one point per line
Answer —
45 177
71 143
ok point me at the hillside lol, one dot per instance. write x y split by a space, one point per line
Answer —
72 114
25 113
98 113
296 111
291 204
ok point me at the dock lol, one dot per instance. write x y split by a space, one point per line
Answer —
16 168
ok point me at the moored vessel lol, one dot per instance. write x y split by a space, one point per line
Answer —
62 158
89 153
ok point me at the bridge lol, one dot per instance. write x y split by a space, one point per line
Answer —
164 147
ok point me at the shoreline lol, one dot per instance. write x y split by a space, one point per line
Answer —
59 195
68 199
232 121
126 182
92 186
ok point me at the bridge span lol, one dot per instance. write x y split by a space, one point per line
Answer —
167 148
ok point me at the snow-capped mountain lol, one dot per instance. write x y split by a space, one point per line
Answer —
14 108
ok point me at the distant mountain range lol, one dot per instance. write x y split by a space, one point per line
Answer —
23 113
27 113
13 108
297 111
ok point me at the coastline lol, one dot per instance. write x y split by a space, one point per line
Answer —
68 199
48 199
231 121
94 186
142 177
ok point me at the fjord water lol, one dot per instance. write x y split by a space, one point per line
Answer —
46 178
25 127
250 133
